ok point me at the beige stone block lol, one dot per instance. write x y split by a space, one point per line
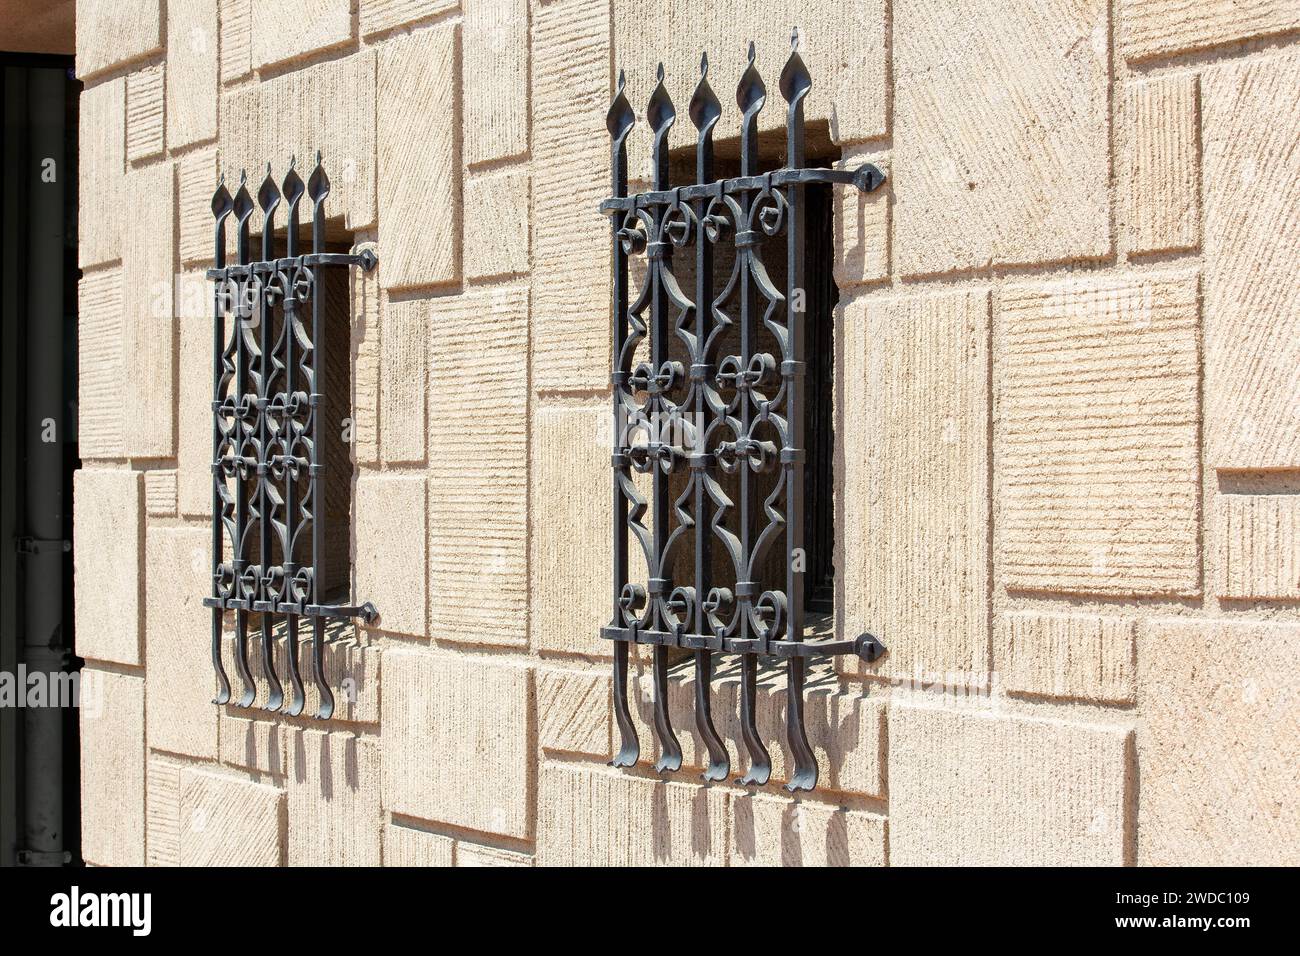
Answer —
1258 543
593 816
916 465
101 163
380 15
970 788
178 641
408 846
144 113
194 448
160 492
236 39
1001 138
457 741
365 370
573 711
333 791
1252 287
496 86
257 745
289 29
107 553
1217 744
196 180
1098 454
775 831
162 811
862 225
571 75
1150 28
112 768
113 33
390 549
474 854
192 69
229 821
478 447
1164 175
1071 656
403 351
419 169
99 365
497 226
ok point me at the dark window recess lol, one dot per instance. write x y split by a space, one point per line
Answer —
281 490
722 421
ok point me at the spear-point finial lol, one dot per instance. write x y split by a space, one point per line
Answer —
318 157
704 107
619 118
752 54
659 72
704 65
622 80
293 161
243 177
268 167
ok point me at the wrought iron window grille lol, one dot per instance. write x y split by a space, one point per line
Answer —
271 430
716 409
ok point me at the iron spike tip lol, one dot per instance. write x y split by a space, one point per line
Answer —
659 72
622 80
243 177
293 161
221 179
268 167
318 157
794 40
704 65
752 54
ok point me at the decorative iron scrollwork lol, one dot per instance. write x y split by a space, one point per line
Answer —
720 400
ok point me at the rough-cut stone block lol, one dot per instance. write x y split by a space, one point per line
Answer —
288 29
334 813
379 15
573 711
1217 744
101 161
475 854
390 543
107 553
1098 457
497 228
365 372
571 74
192 68
253 744
144 113
1150 28
775 831
236 40
112 768
1258 539
99 365
1164 176
457 741
229 821
916 463
178 634
162 811
419 169
591 816
496 85
1001 139
196 178
408 846
403 351
194 448
862 226
970 788
478 451
113 33
1252 285
1072 656
160 492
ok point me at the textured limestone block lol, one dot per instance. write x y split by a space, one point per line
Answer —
160 492
149 321
1098 463
419 171
1217 744
283 117
1073 656
408 846
162 811
113 33
379 15
289 29
178 633
571 93
478 347
1258 542
1150 28
229 821
969 788
497 226
253 744
194 447
1252 287
593 816
1019 172
1164 192
573 711
192 69
101 160
474 854
404 337
916 463
107 553
112 768
333 788
365 371
862 225
236 39
774 831
456 741
99 365
144 113
196 179
496 88
390 549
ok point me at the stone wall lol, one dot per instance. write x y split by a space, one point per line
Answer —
1068 409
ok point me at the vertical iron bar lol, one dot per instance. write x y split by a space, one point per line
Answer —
221 207
293 191
318 187
243 210
268 197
